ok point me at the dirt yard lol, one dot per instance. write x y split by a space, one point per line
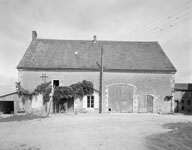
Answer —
98 132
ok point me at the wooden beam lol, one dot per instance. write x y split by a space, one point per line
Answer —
101 82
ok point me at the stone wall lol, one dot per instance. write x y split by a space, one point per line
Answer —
183 101
157 85
80 104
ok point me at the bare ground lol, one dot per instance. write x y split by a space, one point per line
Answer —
98 132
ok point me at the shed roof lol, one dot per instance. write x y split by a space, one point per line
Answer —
9 96
183 86
83 54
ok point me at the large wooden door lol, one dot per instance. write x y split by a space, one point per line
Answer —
145 104
120 98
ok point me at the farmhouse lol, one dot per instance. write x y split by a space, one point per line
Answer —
137 76
183 98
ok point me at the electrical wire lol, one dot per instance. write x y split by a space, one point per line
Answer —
162 26
161 20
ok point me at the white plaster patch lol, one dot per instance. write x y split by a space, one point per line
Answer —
37 101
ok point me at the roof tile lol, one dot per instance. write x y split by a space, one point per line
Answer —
83 54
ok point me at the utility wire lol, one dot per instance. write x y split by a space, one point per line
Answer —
161 26
168 19
160 18
177 10
171 26
155 26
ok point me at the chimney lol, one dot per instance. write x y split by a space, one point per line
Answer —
94 39
34 35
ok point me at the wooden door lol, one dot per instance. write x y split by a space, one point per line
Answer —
70 105
121 98
145 104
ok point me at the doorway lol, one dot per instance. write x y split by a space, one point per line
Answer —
7 107
121 98
145 104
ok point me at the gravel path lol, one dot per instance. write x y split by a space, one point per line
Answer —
87 132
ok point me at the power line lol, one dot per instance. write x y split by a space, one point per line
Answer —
155 26
161 30
161 26
164 28
181 8
159 18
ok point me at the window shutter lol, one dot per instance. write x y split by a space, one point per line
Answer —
96 100
85 102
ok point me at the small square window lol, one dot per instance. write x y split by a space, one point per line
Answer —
55 82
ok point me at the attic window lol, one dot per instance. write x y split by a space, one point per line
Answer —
55 82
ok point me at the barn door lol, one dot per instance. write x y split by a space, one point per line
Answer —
121 98
145 104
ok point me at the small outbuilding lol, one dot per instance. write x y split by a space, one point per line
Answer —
183 98
9 103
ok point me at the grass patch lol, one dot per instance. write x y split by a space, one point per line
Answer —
25 117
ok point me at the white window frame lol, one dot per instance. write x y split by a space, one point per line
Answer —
90 101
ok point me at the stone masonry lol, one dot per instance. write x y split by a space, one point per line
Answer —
158 85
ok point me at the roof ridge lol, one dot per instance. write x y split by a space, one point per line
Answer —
99 40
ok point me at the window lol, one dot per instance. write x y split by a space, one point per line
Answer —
55 82
183 108
182 102
90 101
189 102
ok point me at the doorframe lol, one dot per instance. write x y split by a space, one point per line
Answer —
134 95
154 100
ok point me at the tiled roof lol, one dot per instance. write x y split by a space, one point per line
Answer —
183 86
83 54
5 95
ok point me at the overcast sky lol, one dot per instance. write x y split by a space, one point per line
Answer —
167 21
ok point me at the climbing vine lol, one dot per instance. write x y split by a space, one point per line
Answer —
22 93
75 90
62 92
44 89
